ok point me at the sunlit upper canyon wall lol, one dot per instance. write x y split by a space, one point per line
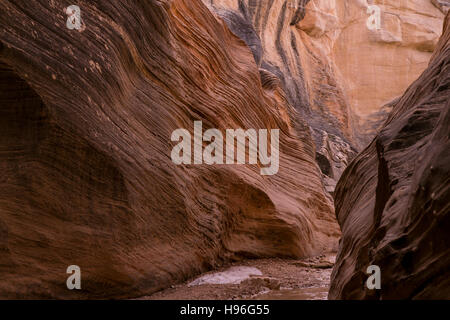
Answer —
87 178
340 75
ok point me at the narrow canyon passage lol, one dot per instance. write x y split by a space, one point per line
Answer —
297 279
225 149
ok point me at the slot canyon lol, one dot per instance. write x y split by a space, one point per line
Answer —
87 178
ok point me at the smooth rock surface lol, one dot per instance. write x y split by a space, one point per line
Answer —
376 66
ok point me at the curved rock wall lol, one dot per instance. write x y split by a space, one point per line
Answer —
392 201
87 116
87 178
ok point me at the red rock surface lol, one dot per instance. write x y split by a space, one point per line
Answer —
85 151
392 202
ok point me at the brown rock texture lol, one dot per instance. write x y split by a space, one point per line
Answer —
87 179
392 202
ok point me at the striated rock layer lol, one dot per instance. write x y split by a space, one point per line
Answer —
332 67
392 202
307 74
87 179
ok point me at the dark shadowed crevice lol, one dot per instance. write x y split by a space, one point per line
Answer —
300 12
383 189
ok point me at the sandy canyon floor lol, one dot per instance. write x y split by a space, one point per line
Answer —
267 279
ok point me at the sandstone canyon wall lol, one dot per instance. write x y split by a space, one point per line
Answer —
376 66
392 202
87 116
307 74
87 179
333 69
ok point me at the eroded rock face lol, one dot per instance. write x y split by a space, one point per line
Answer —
392 202
304 68
397 52
85 132
332 67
